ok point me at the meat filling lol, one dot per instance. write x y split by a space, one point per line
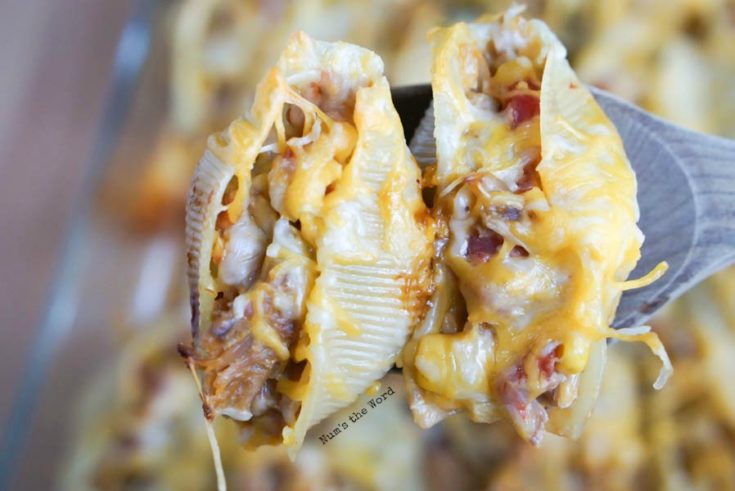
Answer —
249 345
522 389
486 212
264 264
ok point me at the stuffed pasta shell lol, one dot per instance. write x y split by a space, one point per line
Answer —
535 206
308 245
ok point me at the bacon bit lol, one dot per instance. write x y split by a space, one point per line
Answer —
520 108
529 417
288 154
547 363
483 244
529 179
572 85
518 251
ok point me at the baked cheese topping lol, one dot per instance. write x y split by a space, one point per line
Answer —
536 215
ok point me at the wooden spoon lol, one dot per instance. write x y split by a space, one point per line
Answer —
686 194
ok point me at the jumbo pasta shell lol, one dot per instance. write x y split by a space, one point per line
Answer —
366 298
204 204
536 211
332 216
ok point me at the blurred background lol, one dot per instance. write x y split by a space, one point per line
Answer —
57 58
97 155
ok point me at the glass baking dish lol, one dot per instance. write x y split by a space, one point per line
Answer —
102 265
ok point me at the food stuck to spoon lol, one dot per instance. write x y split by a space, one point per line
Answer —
308 245
535 208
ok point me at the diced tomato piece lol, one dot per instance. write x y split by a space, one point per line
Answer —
520 108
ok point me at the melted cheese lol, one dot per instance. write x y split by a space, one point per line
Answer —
455 365
541 211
